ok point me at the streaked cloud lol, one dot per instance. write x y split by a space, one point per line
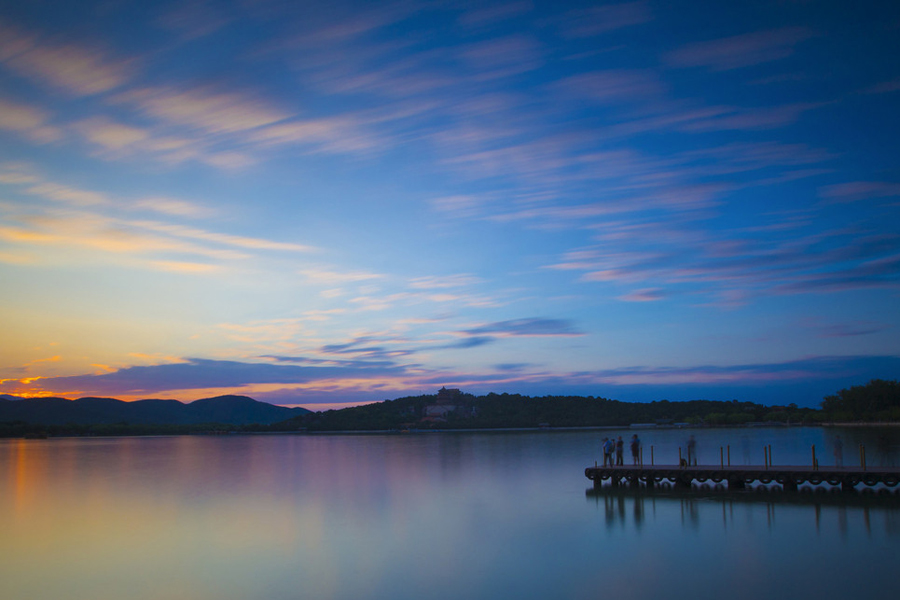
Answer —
204 109
237 241
194 19
78 70
490 15
527 327
203 374
741 50
614 86
855 191
605 18
29 121
173 206
331 277
68 194
444 282
644 295
110 135
503 57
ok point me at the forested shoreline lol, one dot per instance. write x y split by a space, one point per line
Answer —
875 402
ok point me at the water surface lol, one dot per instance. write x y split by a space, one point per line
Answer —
452 515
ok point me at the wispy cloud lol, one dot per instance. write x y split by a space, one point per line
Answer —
598 20
885 87
29 121
173 206
527 327
78 70
84 221
331 277
744 267
614 86
443 282
68 194
855 191
110 135
194 19
644 295
484 16
741 50
203 374
502 57
203 108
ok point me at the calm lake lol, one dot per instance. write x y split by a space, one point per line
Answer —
447 515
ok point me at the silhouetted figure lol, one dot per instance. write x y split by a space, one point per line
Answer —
838 451
692 451
620 446
608 447
635 449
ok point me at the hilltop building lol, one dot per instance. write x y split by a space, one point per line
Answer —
449 400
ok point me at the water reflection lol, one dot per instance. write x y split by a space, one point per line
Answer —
700 502
406 517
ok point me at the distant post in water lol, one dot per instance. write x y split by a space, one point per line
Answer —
862 456
770 455
721 457
651 455
729 454
766 457
814 465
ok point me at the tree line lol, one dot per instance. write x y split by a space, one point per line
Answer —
876 401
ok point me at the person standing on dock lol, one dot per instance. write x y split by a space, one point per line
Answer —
635 449
609 447
692 451
620 447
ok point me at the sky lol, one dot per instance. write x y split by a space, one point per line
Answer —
329 203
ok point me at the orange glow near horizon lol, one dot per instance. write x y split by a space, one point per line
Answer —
329 406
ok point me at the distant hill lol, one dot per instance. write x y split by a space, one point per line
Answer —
230 410
8 397
497 411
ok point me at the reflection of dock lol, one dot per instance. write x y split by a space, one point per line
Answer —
789 477
636 503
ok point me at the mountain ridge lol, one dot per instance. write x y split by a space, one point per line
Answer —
227 409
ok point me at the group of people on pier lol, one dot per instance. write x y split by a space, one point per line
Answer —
615 449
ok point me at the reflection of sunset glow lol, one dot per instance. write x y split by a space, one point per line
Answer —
27 473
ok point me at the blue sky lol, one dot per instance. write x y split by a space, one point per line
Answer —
320 203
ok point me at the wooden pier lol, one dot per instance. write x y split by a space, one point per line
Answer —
738 477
